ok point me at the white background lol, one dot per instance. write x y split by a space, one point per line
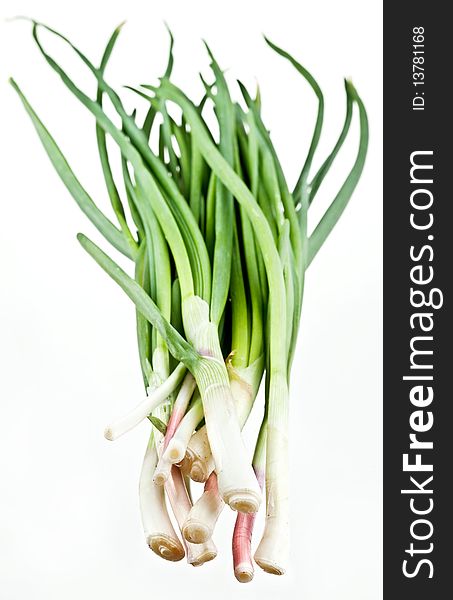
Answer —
69 517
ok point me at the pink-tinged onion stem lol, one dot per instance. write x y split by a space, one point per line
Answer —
162 471
211 484
180 407
242 540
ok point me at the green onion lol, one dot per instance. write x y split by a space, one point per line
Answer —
220 253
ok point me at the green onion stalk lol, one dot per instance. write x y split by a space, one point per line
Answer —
220 249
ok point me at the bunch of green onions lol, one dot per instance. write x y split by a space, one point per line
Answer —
220 248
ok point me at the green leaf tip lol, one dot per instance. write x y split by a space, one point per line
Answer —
170 33
276 48
298 66
350 89
208 50
170 60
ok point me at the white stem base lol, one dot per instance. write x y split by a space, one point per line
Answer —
244 384
165 546
272 553
243 572
159 533
198 554
199 456
236 480
200 523
235 476
177 446
162 471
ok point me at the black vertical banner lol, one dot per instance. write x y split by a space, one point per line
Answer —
418 269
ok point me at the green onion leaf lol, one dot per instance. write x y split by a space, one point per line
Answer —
77 191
